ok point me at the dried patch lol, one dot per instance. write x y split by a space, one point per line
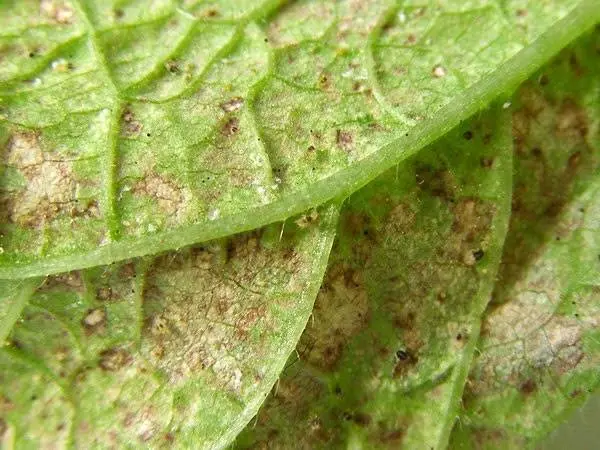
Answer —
59 11
341 311
114 359
233 104
344 140
130 126
205 309
171 198
94 321
230 127
50 188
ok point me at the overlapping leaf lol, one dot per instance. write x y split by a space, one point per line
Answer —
135 127
384 361
178 351
540 348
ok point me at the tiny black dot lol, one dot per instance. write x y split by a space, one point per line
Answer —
536 151
478 254
468 135
31 54
347 416
148 134
338 390
576 315
458 337
266 40
406 135
557 238
402 355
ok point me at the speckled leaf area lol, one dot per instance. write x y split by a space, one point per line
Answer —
129 128
539 355
383 362
178 351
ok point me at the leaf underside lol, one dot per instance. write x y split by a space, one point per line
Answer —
539 355
179 350
385 359
130 128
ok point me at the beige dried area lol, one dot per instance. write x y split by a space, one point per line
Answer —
50 189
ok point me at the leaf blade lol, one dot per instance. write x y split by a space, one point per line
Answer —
163 233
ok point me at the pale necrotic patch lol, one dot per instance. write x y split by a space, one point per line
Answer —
49 187
206 312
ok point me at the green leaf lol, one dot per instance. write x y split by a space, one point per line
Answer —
539 355
384 361
130 129
178 351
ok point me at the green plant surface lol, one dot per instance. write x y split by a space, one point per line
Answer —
384 361
131 128
175 351
539 354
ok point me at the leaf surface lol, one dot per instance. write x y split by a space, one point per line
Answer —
539 355
384 361
175 351
130 128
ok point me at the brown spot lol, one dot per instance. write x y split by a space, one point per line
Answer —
527 387
114 359
233 104
575 393
574 160
94 321
406 360
3 427
437 182
231 127
344 140
211 13
70 280
486 163
130 126
173 67
394 436
104 293
324 81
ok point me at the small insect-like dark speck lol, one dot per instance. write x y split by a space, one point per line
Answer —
459 337
576 314
536 151
478 254
347 416
468 135
402 355
148 134
31 54
557 238
544 80
266 40
338 390
311 148
406 135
